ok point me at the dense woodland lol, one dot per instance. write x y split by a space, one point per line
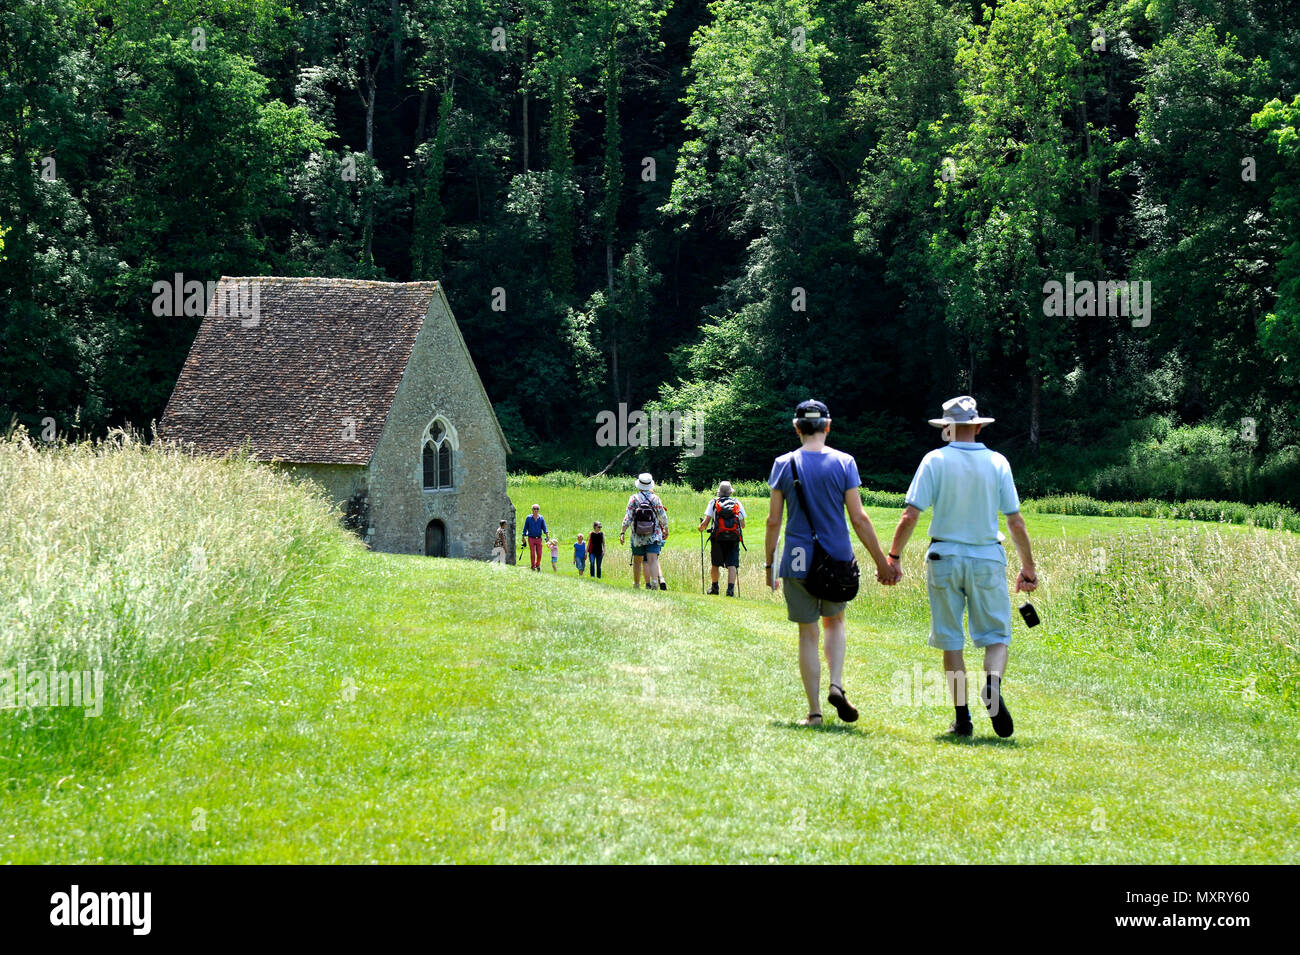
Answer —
717 207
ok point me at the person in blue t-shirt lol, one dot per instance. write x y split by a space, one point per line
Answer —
534 532
580 555
967 485
830 483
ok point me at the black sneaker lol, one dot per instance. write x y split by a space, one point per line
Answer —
713 589
999 715
1003 725
961 729
731 590
663 585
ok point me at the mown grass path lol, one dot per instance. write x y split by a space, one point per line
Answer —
447 711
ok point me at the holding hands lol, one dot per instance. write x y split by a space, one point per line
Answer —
890 572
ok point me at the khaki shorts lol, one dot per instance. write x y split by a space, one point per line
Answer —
803 607
969 587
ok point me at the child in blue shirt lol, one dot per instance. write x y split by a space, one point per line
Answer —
580 555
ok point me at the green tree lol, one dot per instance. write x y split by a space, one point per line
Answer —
758 121
1019 200
51 334
1280 330
1202 224
908 90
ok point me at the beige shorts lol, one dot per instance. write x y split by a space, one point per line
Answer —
803 607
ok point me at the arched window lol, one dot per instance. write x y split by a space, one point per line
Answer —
439 449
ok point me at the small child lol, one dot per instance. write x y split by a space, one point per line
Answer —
555 553
580 556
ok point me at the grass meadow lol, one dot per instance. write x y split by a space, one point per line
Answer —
288 696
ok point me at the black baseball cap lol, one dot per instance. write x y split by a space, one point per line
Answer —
811 408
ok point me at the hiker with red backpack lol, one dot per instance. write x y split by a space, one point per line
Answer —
648 519
726 536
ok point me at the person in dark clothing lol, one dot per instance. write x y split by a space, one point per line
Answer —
596 548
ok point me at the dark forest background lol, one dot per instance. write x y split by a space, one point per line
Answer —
717 207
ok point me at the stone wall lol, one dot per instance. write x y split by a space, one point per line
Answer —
346 485
440 380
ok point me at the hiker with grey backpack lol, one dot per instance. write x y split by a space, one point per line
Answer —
726 536
647 518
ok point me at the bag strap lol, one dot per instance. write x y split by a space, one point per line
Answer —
803 501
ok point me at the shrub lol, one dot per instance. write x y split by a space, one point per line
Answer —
1278 478
621 483
1226 512
1154 458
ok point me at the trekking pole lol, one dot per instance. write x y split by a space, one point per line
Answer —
701 562
742 544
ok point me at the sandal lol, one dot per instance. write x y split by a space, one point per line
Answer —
836 698
812 719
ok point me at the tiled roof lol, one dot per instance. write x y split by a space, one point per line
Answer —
320 353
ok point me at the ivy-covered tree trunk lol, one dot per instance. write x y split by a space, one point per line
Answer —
613 171
563 225
523 95
1035 409
368 229
613 176
426 251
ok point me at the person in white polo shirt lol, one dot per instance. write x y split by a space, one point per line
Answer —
967 485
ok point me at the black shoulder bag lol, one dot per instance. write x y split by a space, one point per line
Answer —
828 578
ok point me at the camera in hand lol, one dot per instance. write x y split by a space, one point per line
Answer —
1029 614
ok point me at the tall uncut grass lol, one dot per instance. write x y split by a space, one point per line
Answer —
144 562
1219 608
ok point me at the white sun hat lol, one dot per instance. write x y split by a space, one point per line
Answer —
645 482
960 410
